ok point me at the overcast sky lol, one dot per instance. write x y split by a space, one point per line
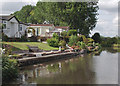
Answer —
107 24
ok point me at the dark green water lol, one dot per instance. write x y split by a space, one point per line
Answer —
101 68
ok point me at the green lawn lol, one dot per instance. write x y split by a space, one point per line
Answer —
23 45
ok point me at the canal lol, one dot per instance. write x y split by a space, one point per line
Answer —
100 68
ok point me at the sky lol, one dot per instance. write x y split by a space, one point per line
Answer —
107 24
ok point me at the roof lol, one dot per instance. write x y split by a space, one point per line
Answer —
8 17
63 27
24 23
5 17
41 24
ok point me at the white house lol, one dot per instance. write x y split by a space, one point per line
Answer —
42 30
61 28
13 28
47 30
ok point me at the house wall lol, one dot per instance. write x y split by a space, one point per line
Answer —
42 30
12 28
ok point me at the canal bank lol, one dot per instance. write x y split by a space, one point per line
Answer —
35 60
84 69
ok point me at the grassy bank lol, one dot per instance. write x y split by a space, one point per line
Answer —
23 45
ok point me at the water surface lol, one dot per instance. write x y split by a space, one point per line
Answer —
101 68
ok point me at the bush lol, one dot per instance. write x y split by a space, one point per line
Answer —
78 43
23 39
73 40
32 39
90 40
55 35
90 44
83 45
4 37
96 38
62 43
53 42
84 39
64 34
9 69
72 32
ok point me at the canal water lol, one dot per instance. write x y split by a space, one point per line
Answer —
99 68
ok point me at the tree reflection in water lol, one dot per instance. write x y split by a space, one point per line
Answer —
77 70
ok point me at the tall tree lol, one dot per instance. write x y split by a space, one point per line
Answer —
77 15
24 13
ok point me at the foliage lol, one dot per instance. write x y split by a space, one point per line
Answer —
84 39
4 37
8 49
64 34
81 45
78 43
32 39
77 15
108 42
90 44
55 35
73 40
90 40
96 38
24 37
24 14
9 69
53 42
72 32
62 43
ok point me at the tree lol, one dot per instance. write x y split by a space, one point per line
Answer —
76 15
72 32
24 14
96 37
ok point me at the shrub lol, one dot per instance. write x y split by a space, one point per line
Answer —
83 45
4 37
90 44
32 39
53 42
23 39
90 40
64 34
72 32
84 39
62 43
73 40
55 35
96 38
78 43
9 69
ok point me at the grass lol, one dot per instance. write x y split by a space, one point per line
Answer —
23 45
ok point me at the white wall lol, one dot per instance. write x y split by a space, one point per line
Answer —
12 28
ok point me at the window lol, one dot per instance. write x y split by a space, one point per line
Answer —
19 27
4 24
